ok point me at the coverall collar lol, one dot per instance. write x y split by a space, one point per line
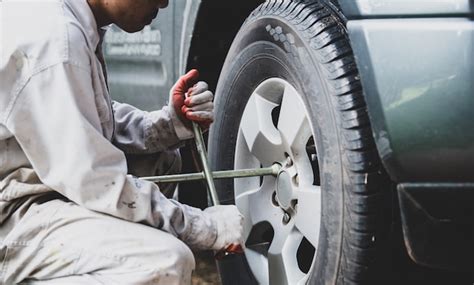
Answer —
83 13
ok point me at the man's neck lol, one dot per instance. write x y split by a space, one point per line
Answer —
99 14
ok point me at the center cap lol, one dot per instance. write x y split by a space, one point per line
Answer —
284 190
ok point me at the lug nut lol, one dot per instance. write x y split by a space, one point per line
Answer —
286 218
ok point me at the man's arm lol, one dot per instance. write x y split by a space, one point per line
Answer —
138 131
141 132
56 123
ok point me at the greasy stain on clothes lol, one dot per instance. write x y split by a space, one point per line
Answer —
131 205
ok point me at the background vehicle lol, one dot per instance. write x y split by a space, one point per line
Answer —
366 104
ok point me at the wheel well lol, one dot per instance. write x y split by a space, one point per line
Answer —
216 26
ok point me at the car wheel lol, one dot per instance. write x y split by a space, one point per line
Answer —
289 93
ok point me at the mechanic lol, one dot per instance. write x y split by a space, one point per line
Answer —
71 212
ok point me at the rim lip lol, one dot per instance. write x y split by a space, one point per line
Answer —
242 152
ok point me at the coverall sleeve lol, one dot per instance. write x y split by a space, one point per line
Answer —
55 121
138 131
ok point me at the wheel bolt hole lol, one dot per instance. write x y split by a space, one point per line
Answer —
294 205
296 180
289 161
274 199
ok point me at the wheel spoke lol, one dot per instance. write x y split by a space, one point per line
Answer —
256 206
308 213
282 263
276 259
261 136
259 265
293 122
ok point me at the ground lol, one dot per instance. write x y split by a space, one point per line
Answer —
206 270
409 274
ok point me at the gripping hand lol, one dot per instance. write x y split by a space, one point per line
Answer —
190 100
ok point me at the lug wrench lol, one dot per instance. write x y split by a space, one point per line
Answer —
238 173
233 248
209 176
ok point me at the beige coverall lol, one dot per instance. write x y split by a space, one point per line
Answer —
70 212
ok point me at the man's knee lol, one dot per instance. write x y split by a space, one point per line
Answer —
184 256
176 266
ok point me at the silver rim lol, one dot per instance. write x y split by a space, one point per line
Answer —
282 214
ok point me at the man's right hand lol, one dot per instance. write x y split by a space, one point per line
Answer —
229 223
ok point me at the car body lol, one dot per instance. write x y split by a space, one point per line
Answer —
415 60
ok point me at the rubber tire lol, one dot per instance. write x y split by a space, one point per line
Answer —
306 43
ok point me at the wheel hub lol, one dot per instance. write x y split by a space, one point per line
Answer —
284 190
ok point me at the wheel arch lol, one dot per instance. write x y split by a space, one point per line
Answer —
211 34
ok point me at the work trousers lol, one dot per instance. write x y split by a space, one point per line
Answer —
58 242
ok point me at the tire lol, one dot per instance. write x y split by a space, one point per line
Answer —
289 93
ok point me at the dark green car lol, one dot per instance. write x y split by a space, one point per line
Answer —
368 106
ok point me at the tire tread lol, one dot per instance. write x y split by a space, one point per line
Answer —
326 34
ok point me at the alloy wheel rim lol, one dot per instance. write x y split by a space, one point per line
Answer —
283 213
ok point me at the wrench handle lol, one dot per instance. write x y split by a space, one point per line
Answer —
205 164
233 248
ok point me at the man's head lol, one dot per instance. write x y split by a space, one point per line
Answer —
129 15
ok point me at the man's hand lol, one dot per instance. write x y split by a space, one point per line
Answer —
229 223
191 100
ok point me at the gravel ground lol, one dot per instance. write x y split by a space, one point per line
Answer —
206 270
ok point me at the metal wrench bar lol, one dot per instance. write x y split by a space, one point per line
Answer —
205 164
233 248
239 173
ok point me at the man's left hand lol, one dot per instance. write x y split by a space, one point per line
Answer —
192 101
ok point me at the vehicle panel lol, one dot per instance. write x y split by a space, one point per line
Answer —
405 8
418 79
